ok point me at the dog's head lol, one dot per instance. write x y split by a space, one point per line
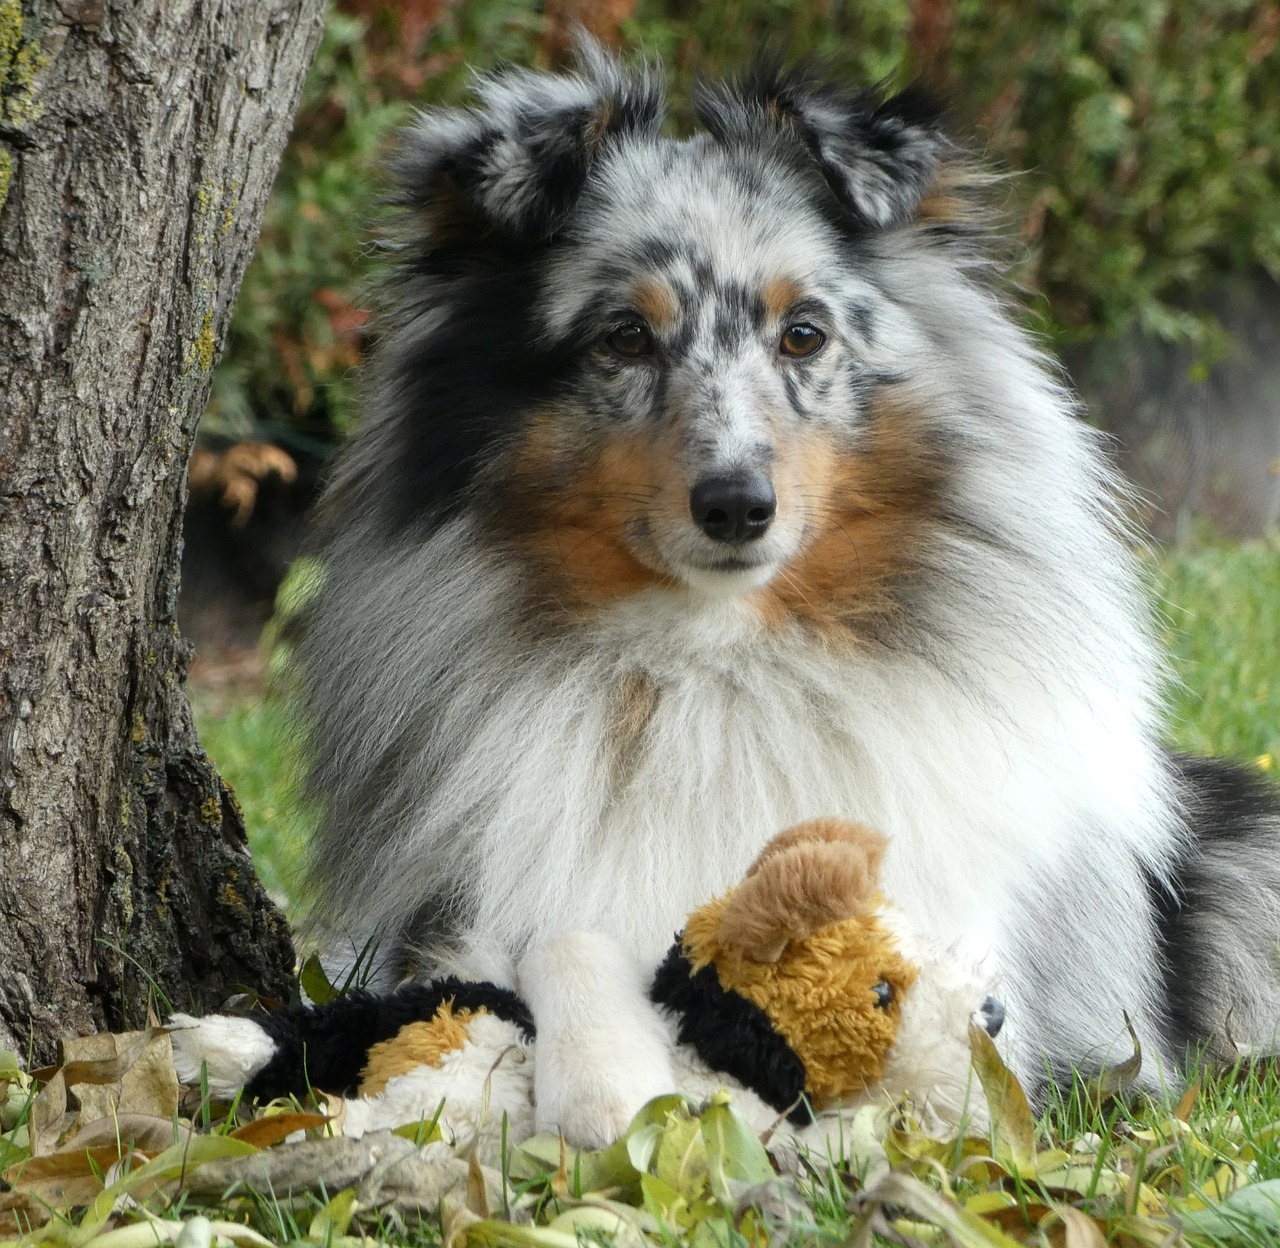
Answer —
649 360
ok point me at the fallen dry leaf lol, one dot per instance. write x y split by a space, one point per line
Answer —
385 1169
143 1132
131 1073
49 1117
263 1132
1082 1231
62 1180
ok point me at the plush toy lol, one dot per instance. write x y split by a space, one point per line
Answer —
802 991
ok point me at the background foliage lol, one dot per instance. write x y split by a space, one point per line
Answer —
1149 130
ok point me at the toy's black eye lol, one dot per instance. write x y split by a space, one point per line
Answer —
800 340
884 994
631 340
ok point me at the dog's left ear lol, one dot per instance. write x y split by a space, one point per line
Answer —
878 154
511 168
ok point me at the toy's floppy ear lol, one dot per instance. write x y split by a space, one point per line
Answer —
515 165
811 875
877 154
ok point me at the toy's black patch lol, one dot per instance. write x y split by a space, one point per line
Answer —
325 1046
732 1035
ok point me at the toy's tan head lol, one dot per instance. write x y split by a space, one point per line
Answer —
807 986
802 939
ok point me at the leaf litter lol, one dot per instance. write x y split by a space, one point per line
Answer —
108 1150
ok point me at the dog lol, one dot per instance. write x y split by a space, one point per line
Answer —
711 484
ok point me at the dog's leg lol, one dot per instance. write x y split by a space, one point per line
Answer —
602 1049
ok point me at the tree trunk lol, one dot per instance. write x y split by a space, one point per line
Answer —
138 143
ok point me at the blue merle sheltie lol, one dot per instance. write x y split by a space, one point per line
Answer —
707 485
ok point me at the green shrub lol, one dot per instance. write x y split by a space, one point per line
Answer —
1152 130
297 329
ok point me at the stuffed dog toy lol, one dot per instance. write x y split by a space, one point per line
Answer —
802 991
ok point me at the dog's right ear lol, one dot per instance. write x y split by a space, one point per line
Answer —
878 154
512 168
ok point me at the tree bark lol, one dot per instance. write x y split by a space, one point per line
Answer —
138 143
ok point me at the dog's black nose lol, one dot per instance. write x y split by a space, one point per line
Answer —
733 509
992 1016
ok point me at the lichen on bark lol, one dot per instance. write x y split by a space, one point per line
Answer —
21 59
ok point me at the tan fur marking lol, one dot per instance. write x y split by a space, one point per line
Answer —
583 514
940 208
657 303
815 874
417 1044
600 124
868 509
780 295
449 215
634 705
947 200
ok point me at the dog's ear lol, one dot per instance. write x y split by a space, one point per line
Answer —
513 166
878 154
811 875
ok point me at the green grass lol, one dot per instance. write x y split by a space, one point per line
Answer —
1222 604
254 746
1089 1173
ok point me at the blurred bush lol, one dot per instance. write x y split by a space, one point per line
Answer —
298 325
1150 130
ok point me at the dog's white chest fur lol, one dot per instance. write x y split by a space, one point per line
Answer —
745 733
615 776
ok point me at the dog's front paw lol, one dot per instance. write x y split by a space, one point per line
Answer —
592 1109
602 1051
231 1051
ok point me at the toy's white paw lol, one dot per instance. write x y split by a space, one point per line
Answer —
232 1051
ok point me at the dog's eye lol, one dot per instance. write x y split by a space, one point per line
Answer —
884 994
801 340
631 340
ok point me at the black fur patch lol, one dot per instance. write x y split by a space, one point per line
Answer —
326 1046
731 1034
467 388
1223 801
